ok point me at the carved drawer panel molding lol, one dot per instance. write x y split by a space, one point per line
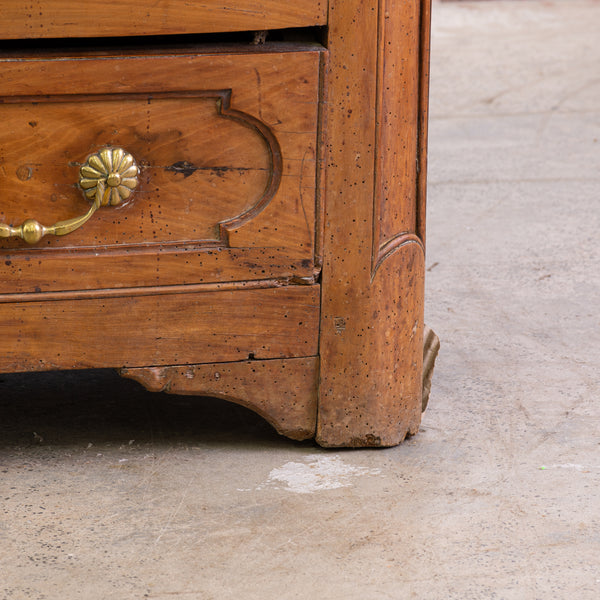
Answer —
226 146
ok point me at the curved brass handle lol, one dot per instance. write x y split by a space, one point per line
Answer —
107 177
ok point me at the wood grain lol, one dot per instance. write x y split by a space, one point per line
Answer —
284 392
396 126
198 166
373 269
141 291
159 329
227 152
425 44
66 18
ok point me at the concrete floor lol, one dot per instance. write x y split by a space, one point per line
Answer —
135 495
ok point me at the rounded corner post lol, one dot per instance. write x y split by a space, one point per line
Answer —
371 339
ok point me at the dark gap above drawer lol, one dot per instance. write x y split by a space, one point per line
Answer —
277 39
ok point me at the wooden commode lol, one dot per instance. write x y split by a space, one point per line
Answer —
222 199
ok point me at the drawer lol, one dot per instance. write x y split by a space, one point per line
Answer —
67 18
226 144
158 326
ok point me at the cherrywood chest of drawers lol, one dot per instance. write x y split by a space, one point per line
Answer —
221 198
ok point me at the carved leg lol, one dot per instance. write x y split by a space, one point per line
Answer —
283 392
371 341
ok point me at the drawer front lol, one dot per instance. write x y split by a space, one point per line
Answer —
67 18
158 327
226 148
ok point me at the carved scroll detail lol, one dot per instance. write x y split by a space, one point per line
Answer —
401 102
282 391
223 99
276 163
389 247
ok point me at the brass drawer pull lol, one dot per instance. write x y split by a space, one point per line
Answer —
108 177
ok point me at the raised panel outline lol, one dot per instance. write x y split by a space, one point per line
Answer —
383 247
223 101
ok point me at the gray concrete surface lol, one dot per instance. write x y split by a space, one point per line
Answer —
124 494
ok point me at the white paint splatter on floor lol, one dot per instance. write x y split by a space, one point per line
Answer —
317 473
